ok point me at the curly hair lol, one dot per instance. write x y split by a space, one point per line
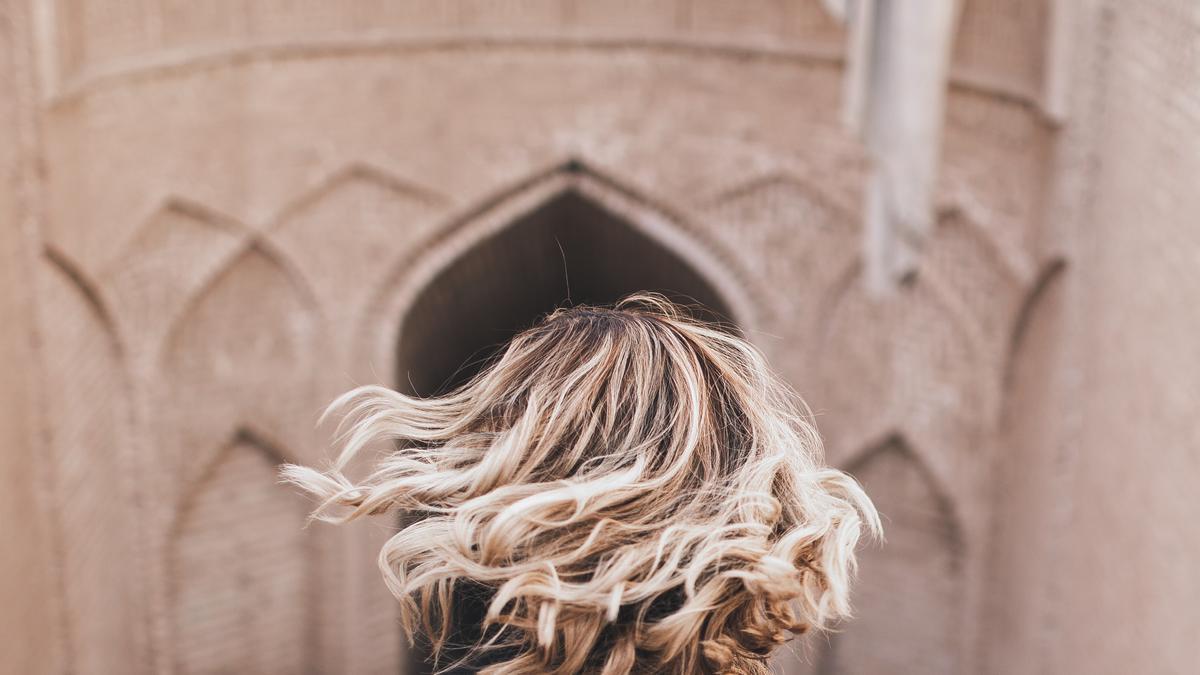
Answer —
633 489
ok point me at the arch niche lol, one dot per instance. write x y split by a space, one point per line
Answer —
241 568
567 237
907 599
571 238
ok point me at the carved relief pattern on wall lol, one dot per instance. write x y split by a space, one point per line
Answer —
240 566
242 329
910 594
223 317
348 233
240 354
95 476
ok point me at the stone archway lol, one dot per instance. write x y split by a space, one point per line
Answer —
242 591
570 249
907 599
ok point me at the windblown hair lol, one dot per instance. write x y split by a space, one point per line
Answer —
633 489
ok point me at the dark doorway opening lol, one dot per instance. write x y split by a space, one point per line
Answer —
570 250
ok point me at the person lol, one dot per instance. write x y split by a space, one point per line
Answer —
624 489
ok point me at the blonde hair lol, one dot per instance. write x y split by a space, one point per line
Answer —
635 489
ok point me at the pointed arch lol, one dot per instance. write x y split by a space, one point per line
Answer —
909 591
965 210
359 172
346 231
176 248
787 180
909 362
91 472
92 293
174 213
936 485
253 249
192 209
979 284
243 437
1027 510
928 279
797 234
251 332
579 206
256 257
240 570
1048 277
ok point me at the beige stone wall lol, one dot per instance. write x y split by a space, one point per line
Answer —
226 213
30 631
1094 543
1131 537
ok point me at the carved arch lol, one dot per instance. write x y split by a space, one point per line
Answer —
92 292
240 569
798 235
191 208
938 485
1047 278
244 435
91 474
800 182
174 250
253 245
1009 259
929 279
242 352
910 591
345 233
494 214
860 388
359 171
1027 518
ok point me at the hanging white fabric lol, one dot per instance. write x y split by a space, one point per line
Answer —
897 66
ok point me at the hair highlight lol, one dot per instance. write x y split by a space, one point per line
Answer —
634 490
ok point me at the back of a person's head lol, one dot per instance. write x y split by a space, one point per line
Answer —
634 490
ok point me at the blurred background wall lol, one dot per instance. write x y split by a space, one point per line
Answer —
218 215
